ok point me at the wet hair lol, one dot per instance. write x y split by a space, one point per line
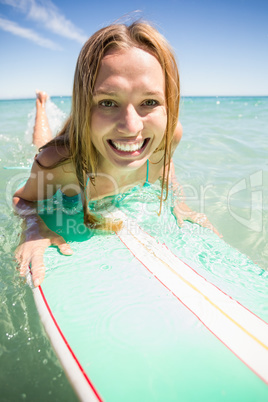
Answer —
76 135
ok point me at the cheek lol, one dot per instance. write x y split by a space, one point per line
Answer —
100 123
159 122
95 123
95 130
98 128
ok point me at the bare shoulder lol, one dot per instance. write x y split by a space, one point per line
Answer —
177 136
54 161
51 156
48 175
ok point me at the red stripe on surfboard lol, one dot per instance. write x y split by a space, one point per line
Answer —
68 346
177 297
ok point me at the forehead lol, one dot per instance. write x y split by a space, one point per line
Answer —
132 66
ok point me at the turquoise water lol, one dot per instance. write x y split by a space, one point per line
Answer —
222 165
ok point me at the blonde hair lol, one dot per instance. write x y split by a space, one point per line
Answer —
76 131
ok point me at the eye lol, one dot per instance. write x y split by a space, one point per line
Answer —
150 102
107 103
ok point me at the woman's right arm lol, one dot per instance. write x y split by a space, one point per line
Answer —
36 236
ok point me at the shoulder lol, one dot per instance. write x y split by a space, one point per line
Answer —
52 156
177 136
55 160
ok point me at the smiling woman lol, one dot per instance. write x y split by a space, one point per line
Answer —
122 132
124 112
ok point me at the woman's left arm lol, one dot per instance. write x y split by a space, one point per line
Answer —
182 211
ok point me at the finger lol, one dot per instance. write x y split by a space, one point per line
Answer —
202 220
38 269
18 256
179 221
24 268
18 264
64 247
22 263
216 232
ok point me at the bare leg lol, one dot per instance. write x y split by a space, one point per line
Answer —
42 133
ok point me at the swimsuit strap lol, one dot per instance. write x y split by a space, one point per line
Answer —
147 172
147 183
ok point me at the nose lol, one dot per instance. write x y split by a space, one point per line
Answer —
130 122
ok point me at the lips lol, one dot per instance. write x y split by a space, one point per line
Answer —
129 147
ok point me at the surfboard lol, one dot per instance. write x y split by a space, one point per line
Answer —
132 319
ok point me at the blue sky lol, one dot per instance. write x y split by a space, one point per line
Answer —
221 45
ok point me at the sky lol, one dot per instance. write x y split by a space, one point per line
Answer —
221 45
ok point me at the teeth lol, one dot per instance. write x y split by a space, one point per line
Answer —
122 146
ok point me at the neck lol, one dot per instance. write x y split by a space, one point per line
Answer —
124 175
113 180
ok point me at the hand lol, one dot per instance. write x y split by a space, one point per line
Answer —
182 213
32 249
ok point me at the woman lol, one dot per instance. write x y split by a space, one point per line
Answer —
122 131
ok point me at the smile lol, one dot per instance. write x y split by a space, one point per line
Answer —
128 147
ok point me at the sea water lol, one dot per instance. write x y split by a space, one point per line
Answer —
221 164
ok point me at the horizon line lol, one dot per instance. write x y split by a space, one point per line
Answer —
182 96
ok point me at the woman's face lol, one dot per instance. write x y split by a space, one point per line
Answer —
128 116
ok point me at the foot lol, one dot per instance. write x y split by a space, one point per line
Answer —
41 98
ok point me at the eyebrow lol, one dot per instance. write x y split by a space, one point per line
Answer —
154 93
115 93
111 93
